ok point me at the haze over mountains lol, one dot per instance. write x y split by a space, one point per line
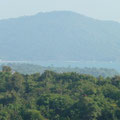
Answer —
61 35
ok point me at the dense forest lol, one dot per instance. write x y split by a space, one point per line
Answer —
25 68
58 96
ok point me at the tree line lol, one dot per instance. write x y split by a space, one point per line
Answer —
58 96
25 68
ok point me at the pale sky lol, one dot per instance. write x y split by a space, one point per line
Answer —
100 9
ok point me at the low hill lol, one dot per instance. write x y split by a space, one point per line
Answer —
31 69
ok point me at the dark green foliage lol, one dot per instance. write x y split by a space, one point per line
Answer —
58 96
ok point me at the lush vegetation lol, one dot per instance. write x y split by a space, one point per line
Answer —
58 96
30 69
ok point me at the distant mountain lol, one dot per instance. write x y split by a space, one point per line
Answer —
60 35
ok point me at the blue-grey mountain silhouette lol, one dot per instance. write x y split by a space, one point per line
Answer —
60 35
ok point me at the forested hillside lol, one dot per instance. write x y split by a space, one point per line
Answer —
61 35
31 68
58 96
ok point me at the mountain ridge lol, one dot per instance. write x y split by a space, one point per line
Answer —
78 37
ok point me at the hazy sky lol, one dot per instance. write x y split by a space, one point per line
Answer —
100 9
